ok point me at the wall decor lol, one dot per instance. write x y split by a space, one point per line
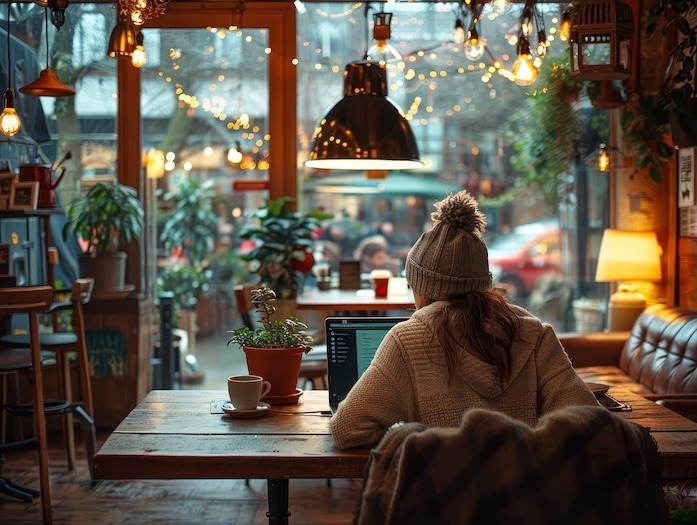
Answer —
6 180
24 195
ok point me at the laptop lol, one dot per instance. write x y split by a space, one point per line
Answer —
351 345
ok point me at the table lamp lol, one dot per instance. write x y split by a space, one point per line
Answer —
627 257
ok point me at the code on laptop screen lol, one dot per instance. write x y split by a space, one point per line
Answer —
351 345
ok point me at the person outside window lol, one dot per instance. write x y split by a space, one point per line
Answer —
372 252
465 346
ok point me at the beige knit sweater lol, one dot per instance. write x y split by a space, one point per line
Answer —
408 381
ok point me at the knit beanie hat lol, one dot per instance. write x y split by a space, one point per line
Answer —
451 257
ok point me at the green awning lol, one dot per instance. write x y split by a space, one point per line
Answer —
394 184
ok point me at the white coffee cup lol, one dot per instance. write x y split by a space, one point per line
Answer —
246 391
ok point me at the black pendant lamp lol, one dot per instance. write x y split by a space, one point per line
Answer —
47 85
365 130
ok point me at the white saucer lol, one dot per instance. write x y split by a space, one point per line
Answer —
231 411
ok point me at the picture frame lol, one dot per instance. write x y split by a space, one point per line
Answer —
7 178
24 195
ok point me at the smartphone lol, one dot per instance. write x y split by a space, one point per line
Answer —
611 403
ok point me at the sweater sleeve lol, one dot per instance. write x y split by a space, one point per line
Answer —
558 384
376 401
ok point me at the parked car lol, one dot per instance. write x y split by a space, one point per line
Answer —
518 260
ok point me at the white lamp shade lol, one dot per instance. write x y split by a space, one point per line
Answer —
628 256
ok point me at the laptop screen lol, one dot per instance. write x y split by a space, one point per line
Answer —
351 345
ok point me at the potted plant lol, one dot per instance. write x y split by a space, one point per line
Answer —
274 350
679 93
282 245
109 216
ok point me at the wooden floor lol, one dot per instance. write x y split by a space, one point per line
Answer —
77 500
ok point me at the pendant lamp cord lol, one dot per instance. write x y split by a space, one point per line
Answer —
9 59
48 62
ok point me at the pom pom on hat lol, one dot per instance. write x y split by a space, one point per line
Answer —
451 258
461 211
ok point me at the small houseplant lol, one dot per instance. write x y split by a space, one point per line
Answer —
108 217
679 93
274 350
283 241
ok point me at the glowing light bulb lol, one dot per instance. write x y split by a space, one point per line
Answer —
9 120
474 47
603 159
524 70
459 32
383 52
565 27
138 58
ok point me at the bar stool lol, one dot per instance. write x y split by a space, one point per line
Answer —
30 300
65 343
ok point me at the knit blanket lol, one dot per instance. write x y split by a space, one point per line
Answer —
579 465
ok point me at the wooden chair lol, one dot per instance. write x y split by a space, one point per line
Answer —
64 344
29 300
313 368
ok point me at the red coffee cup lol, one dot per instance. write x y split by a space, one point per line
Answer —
381 280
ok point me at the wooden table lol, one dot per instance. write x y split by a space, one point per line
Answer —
352 300
172 434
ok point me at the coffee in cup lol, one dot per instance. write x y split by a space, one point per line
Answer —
246 391
380 280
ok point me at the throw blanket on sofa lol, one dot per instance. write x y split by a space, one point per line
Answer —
581 465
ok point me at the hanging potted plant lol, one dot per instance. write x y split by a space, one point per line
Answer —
275 349
282 242
679 93
108 217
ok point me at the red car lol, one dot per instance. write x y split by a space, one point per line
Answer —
518 260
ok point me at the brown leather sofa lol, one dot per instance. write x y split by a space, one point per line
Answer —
656 359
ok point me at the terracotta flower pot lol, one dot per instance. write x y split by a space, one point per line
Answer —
281 368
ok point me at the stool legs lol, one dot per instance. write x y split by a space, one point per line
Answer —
63 362
40 419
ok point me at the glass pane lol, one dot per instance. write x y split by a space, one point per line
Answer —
204 104
520 154
74 134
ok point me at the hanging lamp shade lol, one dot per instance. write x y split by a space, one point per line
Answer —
47 85
365 130
123 39
601 40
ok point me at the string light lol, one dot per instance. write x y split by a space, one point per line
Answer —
603 159
10 123
138 58
524 70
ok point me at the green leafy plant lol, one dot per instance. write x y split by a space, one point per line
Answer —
108 216
186 283
641 131
283 241
272 333
679 90
192 224
545 134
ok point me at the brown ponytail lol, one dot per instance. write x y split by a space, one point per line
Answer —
484 324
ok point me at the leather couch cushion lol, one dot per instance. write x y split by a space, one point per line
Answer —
611 375
661 352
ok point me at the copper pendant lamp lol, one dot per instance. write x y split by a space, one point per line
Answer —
123 39
47 85
365 130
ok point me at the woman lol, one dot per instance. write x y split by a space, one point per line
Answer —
464 347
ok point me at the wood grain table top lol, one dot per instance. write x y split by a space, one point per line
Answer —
173 434
352 300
